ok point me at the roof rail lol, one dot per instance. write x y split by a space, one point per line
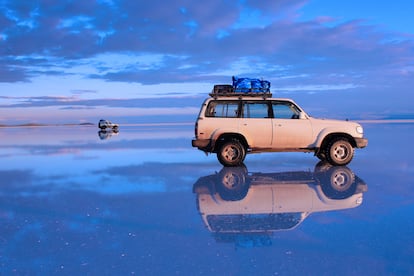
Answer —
226 90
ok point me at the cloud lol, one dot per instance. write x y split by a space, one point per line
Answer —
83 91
16 177
156 43
153 177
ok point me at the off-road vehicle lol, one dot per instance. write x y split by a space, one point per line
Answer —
239 202
104 124
234 124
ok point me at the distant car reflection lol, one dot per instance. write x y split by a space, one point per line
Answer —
108 133
239 206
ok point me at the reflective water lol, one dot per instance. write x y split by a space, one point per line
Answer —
142 201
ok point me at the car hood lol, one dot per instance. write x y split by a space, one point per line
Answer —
333 122
326 126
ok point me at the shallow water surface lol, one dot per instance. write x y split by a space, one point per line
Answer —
143 201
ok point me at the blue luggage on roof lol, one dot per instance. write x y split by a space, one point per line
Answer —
243 86
250 85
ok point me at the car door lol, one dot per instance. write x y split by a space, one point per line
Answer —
256 123
290 130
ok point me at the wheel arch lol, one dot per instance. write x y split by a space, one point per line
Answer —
329 137
229 136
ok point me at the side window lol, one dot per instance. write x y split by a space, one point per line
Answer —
285 110
223 109
256 110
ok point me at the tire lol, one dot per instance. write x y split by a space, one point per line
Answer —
231 153
321 156
339 152
337 182
232 183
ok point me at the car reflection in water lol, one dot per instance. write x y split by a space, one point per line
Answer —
108 133
246 208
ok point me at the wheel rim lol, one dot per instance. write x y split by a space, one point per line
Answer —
340 181
230 181
340 152
231 153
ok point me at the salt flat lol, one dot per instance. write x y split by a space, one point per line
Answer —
75 201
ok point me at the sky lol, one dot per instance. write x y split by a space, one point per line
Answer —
78 61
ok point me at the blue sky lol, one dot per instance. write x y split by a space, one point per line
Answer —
80 60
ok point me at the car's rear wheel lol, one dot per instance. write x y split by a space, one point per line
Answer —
233 183
231 153
339 152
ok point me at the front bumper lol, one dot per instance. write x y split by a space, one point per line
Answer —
361 142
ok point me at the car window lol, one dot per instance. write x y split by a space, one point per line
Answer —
223 109
285 110
256 110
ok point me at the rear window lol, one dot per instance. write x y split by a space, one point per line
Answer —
223 109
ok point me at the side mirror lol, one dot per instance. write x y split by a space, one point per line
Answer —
302 116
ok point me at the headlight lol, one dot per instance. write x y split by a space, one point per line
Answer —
359 130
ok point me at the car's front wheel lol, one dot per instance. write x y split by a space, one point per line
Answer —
337 182
339 152
231 153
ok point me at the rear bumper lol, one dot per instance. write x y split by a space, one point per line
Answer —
361 142
202 144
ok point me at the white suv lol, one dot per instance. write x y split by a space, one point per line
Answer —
233 125
235 201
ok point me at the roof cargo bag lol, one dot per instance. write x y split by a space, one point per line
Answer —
248 85
243 87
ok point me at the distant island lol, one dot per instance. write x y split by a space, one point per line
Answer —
46 125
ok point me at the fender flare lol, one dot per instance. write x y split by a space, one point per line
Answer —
328 133
219 134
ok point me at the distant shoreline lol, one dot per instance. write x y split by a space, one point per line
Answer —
45 125
386 121
378 121
33 125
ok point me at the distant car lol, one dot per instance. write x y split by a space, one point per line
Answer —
104 124
106 134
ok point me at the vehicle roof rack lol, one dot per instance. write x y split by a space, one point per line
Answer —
227 90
